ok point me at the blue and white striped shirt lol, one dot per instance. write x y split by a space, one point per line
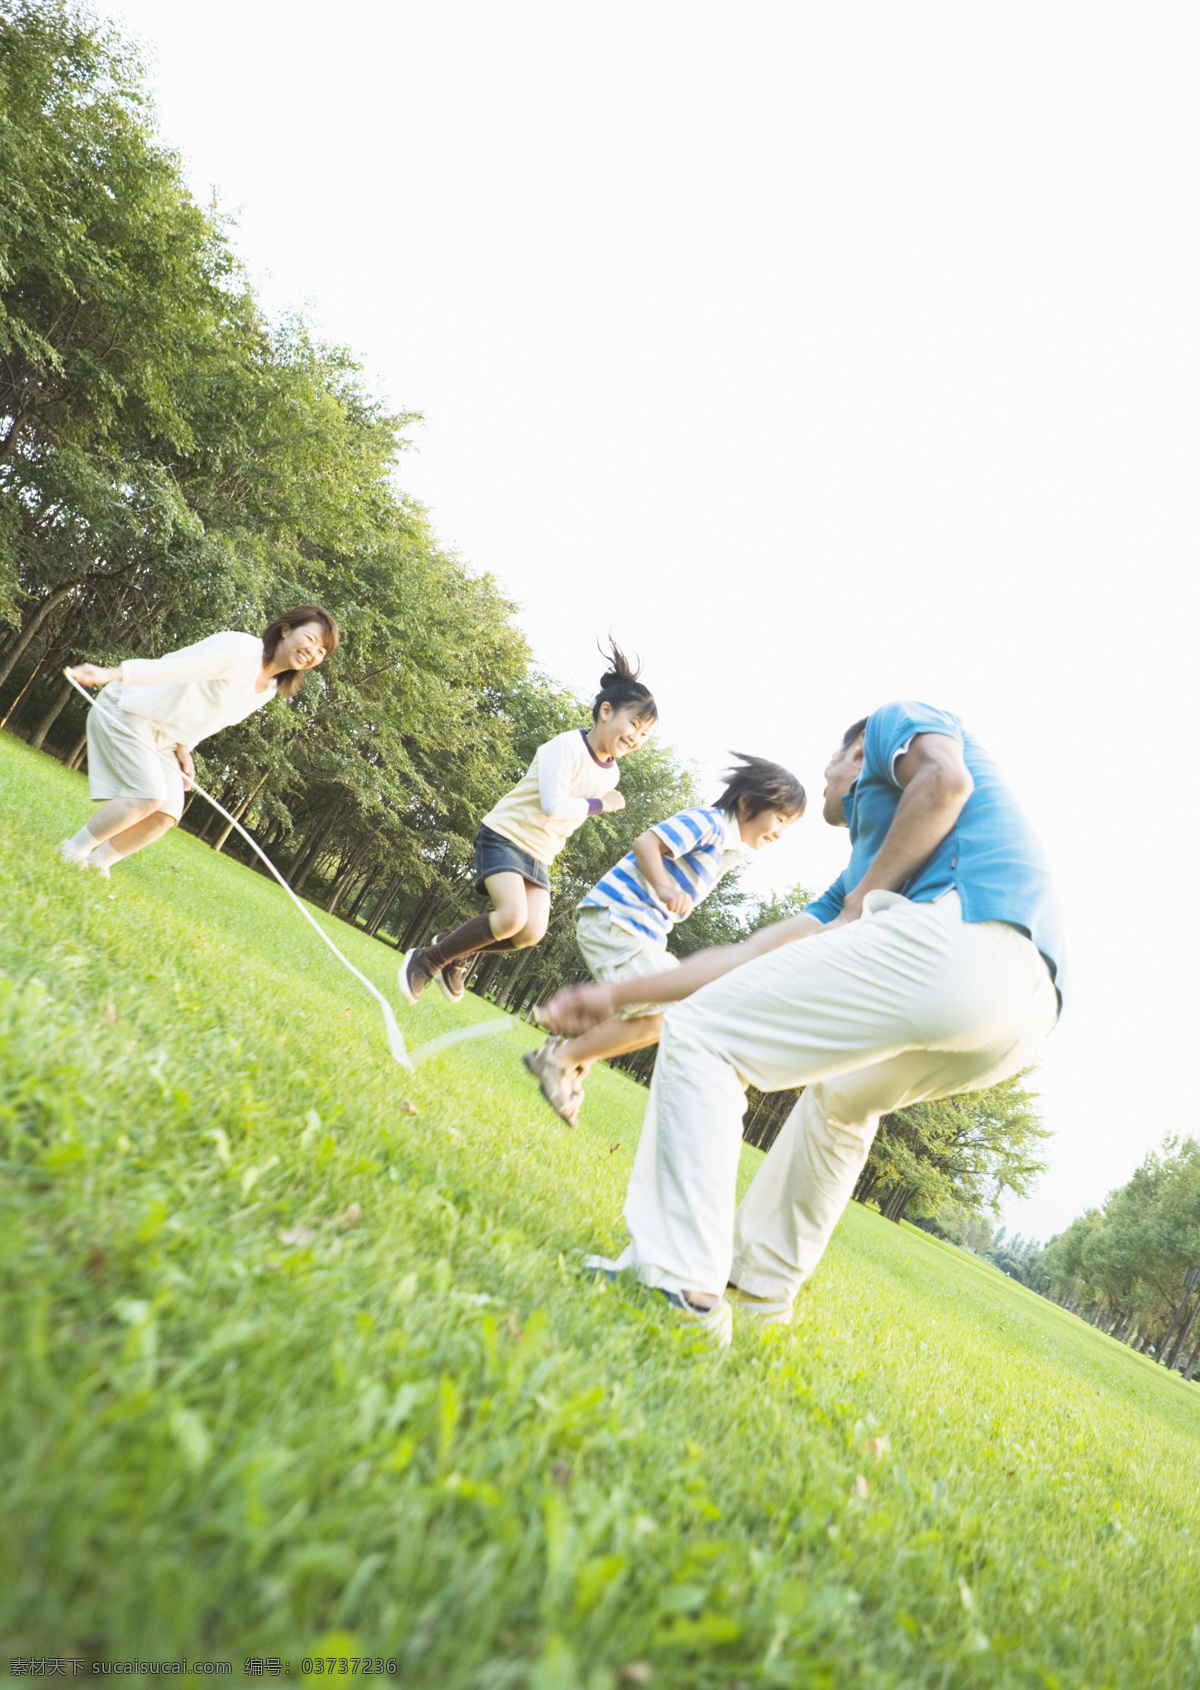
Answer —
703 845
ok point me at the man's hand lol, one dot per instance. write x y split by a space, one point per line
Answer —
576 1009
89 675
184 758
612 801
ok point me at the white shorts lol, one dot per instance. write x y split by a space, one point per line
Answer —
131 757
612 954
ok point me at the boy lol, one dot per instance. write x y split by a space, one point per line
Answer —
626 919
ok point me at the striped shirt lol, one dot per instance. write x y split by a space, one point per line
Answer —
702 845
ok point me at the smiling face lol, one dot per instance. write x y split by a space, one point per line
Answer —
764 828
841 772
303 647
618 732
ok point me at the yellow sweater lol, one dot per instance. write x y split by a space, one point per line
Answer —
564 786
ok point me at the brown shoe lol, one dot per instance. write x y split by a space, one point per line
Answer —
559 1084
414 974
452 976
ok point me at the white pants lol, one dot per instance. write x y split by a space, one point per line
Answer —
613 954
908 1003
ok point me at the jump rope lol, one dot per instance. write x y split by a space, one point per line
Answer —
395 1039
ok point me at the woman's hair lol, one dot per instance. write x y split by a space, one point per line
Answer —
620 687
289 679
763 785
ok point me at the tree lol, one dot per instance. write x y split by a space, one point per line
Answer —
968 1149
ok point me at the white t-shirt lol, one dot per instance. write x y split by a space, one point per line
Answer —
193 693
563 787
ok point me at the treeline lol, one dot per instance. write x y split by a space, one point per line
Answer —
172 462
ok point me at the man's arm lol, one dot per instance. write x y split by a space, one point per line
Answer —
935 783
575 1009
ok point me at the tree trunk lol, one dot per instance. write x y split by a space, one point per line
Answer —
342 884
306 857
76 755
418 923
28 632
219 841
364 892
19 700
61 701
386 899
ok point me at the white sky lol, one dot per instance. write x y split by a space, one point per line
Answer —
827 355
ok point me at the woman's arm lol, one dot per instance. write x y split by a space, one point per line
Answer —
207 660
575 1009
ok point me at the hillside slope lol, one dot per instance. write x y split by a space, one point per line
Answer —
290 1371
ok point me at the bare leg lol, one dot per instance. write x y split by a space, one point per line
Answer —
537 916
141 834
613 1037
118 814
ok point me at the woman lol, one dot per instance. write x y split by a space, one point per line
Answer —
153 711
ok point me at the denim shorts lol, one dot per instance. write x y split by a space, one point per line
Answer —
496 855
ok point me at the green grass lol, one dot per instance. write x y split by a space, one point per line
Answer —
421 1434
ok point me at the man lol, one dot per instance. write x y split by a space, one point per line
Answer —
932 965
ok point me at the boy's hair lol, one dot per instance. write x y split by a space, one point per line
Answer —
289 679
620 687
764 786
853 732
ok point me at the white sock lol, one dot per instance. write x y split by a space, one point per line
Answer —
82 842
105 855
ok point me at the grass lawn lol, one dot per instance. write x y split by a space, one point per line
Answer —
289 1371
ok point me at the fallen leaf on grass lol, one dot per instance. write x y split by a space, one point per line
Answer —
350 1216
613 1147
511 1327
297 1235
637 1672
110 1015
561 1473
409 1108
862 1489
345 1015
95 1262
878 1447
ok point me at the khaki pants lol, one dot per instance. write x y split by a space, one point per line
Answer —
906 1004
612 954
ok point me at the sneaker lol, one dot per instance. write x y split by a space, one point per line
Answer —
601 1264
715 1323
452 978
68 853
558 1084
768 1311
413 975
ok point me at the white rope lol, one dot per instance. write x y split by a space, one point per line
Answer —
395 1038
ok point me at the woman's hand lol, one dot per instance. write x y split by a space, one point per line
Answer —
612 801
184 758
575 1009
88 675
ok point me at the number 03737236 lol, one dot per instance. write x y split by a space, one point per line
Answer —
338 1664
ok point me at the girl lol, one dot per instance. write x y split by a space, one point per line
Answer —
625 920
572 777
154 710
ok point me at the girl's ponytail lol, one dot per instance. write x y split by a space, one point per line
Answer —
620 687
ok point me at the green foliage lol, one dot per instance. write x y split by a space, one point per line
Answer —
1126 1261
968 1150
241 1416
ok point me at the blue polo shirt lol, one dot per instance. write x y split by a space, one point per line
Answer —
991 856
